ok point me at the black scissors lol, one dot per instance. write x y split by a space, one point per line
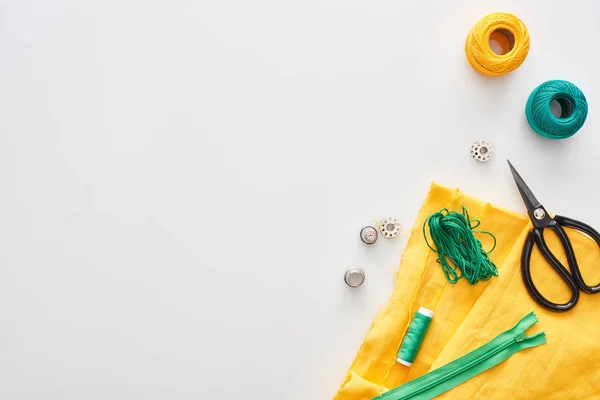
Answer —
541 220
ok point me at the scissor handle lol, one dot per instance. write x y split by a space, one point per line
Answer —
591 232
537 236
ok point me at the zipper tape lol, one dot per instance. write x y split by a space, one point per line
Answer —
471 364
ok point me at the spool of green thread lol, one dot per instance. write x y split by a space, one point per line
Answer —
574 109
414 337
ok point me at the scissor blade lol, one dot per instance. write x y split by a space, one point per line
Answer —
528 198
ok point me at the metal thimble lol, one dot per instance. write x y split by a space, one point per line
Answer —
368 235
354 277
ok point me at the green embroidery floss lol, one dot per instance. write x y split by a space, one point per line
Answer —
452 236
414 337
574 109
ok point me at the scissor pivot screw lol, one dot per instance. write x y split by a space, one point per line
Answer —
539 213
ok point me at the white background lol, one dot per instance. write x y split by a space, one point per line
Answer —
183 182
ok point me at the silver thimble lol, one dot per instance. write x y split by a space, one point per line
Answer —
368 235
354 277
390 227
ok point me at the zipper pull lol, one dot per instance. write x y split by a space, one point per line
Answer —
520 334
519 337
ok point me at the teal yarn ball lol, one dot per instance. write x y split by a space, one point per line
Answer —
572 102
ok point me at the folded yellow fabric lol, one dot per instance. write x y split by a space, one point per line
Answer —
466 316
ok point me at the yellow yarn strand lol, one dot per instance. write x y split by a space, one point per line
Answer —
509 32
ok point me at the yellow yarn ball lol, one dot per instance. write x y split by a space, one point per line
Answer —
509 33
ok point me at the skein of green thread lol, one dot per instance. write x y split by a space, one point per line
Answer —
572 102
452 235
414 337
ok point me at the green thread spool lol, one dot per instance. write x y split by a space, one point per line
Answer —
574 109
414 337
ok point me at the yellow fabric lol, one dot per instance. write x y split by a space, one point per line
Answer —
567 367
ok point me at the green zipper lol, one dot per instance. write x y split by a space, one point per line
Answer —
464 368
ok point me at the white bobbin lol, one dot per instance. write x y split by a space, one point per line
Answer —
390 227
482 150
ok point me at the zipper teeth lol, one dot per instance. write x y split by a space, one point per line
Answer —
476 361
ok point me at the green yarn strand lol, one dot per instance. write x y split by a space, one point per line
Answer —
459 252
